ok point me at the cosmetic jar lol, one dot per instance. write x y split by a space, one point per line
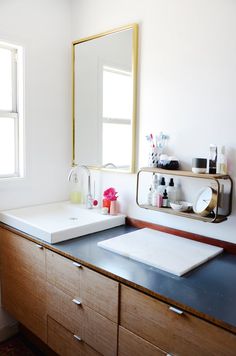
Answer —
199 165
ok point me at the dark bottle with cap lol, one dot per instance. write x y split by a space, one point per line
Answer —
165 199
171 191
161 187
212 159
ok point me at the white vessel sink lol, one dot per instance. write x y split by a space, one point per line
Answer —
61 221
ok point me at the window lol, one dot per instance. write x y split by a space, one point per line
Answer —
117 116
10 111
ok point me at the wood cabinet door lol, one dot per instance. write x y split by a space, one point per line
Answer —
93 328
96 291
133 345
65 343
176 332
100 293
23 281
63 274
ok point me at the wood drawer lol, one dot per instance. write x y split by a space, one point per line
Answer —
96 330
177 334
133 345
93 289
100 293
64 343
63 273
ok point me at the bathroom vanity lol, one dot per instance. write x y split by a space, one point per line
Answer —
82 300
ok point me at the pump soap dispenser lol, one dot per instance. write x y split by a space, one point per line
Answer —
75 194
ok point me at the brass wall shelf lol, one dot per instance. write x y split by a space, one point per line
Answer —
215 217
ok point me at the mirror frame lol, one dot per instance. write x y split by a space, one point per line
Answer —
133 27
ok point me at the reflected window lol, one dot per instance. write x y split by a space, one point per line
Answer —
116 117
10 97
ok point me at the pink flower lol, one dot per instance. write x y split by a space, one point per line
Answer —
110 194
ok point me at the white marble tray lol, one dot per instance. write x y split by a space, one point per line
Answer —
167 252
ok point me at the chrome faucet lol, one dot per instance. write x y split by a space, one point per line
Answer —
110 164
89 198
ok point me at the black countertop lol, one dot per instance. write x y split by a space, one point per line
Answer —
208 291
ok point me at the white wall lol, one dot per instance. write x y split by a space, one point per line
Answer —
187 88
43 29
187 85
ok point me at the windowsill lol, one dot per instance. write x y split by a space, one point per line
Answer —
11 179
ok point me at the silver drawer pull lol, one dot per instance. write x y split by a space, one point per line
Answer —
39 246
76 301
175 310
77 337
77 264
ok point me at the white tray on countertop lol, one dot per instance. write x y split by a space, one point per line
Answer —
167 252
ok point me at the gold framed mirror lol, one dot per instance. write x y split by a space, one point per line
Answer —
105 100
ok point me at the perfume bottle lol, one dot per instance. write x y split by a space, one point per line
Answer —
221 161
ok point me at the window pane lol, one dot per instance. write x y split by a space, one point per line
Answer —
5 79
117 94
116 144
7 146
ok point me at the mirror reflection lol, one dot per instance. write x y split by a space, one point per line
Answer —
104 105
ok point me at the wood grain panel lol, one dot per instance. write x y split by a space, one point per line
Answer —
177 334
100 333
61 308
133 345
100 293
20 252
64 343
93 289
25 306
96 330
23 281
62 273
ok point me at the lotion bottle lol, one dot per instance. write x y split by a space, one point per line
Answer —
154 198
149 196
171 191
221 162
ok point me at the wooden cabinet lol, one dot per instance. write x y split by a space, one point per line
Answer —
91 288
65 343
93 328
176 332
133 345
86 304
78 311
23 281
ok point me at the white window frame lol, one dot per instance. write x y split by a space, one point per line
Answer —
108 120
116 120
15 112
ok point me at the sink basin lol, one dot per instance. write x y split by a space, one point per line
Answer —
61 221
